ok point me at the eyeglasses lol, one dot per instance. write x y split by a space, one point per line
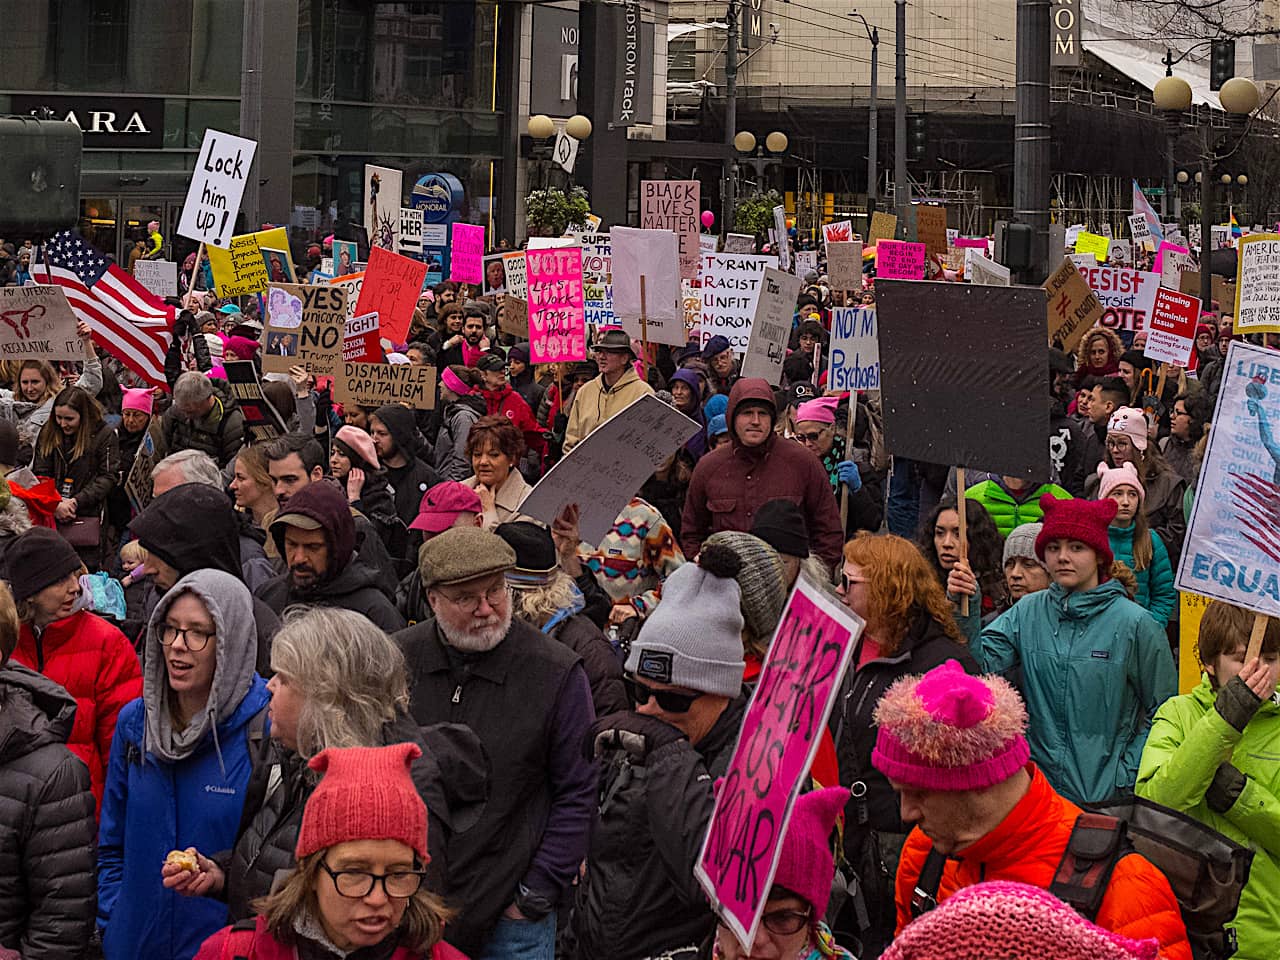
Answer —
358 884
196 640
785 922
1180 413
670 701
470 601
810 437
1118 443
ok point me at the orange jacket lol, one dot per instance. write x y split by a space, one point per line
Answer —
1028 846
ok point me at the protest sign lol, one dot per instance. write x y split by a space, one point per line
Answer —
244 267
391 287
352 283
1258 284
345 257
654 255
932 338
691 302
839 232
1232 551
261 421
984 270
1120 253
383 195
360 341
739 243
378 384
855 350
1191 608
513 266
806 262
1219 289
1220 236
1094 243
1127 296
674 205
37 322
466 253
1073 307
931 229
782 237
557 324
771 326
730 284
597 278
1072 233
513 317
222 168
844 265
603 472
303 327
1105 230
707 243
884 226
137 482
411 223
781 732
1083 261
495 275
1171 328
974 243
158 276
1170 253
899 260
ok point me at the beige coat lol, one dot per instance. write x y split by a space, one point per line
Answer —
507 501
595 403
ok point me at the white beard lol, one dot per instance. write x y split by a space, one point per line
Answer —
480 640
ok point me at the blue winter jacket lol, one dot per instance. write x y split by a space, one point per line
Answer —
1094 669
150 807
1155 592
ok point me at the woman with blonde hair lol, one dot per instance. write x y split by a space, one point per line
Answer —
251 485
339 682
36 383
910 629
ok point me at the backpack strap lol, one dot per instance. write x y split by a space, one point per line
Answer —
240 939
255 733
1096 845
925 896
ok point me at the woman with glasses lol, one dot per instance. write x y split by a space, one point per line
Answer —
820 426
179 766
359 889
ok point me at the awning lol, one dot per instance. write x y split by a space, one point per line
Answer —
1144 64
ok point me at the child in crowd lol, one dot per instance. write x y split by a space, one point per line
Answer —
1132 542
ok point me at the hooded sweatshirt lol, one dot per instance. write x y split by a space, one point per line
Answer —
415 478
172 789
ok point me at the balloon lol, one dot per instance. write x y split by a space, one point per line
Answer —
791 223
708 219
791 232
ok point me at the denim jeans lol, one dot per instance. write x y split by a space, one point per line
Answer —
522 940
903 510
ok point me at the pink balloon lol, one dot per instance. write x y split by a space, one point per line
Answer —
708 219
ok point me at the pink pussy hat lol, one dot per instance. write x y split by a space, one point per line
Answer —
818 410
950 731
137 399
1125 475
807 863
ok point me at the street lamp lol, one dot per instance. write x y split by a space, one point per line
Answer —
578 127
1172 95
775 144
873 144
541 127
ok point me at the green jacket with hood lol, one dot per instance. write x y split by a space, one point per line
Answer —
1006 510
1094 669
1188 740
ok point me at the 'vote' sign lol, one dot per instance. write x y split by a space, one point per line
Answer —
213 199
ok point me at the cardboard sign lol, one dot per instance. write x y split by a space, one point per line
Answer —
137 483
391 287
466 253
262 422
674 205
781 731
771 326
806 262
839 232
984 270
513 317
708 243
932 338
603 472
1257 284
1171 330
213 198
884 226
1120 253
495 274
1220 289
739 243
782 237
597 278
513 265
377 384
1094 243
844 266
411 221
1232 551
855 350
899 260
691 304
654 255
1127 296
158 276
303 327
251 262
730 285
1191 608
1073 307
383 194
36 321
557 323
360 340
931 229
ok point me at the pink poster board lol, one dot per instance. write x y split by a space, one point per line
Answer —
557 319
899 260
1165 245
466 253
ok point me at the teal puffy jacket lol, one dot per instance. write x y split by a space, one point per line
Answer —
1155 584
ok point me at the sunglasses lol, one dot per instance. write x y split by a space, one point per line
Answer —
810 437
669 701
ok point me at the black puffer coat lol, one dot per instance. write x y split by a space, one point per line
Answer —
48 886
604 670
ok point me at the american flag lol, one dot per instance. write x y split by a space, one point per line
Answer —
125 317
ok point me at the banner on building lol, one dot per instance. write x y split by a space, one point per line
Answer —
633 82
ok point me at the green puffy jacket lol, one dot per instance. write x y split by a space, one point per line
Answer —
1094 668
1008 512
1188 740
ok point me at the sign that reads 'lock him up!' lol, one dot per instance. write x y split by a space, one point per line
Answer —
213 199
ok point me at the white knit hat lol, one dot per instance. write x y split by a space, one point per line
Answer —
1021 542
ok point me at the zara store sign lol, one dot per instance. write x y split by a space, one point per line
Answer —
132 123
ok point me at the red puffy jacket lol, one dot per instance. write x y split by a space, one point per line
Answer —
257 944
97 665
512 406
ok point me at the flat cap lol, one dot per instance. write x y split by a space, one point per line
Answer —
463 553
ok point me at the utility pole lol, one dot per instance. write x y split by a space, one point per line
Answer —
1031 131
251 104
730 113
1206 214
901 189
873 138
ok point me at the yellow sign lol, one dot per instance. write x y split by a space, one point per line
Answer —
1191 607
251 262
1094 243
884 226
1257 284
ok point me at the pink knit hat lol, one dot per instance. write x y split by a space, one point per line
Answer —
807 863
818 410
950 731
360 443
1125 475
1001 919
139 399
1132 423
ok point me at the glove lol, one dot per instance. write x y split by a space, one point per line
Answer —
635 733
1237 704
1228 784
848 473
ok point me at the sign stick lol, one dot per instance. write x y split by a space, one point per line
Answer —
191 284
964 531
848 450
1255 636
1164 373
644 335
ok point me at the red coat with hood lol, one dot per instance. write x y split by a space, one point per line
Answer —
731 483
512 406
97 665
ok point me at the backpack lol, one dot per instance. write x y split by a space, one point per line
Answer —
1206 870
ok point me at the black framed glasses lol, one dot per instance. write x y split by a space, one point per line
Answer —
358 884
671 701
196 640
786 922
810 437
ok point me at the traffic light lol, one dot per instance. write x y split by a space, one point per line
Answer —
917 137
1222 62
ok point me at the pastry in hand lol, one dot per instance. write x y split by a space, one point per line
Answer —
186 859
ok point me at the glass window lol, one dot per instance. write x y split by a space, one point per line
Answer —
98 222
217 28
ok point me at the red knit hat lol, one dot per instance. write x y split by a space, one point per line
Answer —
1083 520
366 793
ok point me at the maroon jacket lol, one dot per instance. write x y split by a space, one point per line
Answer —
731 484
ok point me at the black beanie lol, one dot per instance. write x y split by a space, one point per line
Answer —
38 559
780 524
536 558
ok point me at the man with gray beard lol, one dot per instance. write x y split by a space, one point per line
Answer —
527 698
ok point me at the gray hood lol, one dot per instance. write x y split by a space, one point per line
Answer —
236 648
